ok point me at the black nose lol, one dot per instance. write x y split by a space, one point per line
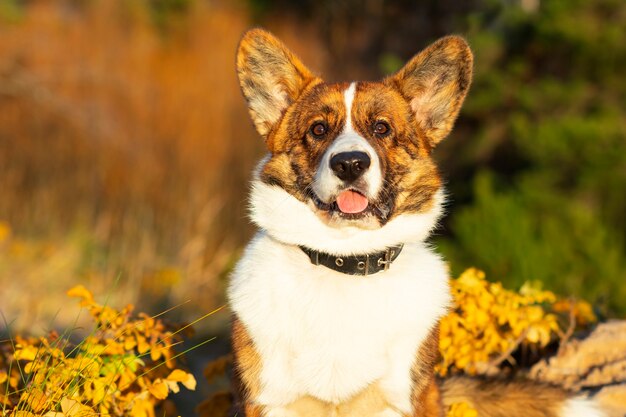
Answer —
349 166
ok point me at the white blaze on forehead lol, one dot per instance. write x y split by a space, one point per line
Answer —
348 98
326 185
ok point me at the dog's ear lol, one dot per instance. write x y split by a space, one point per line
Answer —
435 82
270 76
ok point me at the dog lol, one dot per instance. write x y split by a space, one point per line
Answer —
336 300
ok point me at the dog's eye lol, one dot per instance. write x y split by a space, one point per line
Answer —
381 128
318 129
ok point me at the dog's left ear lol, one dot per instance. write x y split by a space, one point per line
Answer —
270 76
435 83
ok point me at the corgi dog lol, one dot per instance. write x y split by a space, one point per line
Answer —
336 300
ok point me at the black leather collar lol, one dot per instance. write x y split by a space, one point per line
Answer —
367 264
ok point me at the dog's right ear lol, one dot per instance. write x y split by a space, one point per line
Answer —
270 76
435 83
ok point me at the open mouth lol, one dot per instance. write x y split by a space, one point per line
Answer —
349 204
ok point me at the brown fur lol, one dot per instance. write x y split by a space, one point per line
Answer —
411 176
425 398
247 368
295 154
271 77
505 398
435 83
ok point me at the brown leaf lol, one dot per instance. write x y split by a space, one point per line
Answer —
217 368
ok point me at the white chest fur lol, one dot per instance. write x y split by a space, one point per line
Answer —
329 335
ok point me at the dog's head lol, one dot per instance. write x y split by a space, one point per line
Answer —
349 167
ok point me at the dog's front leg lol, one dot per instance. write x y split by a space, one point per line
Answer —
409 385
397 385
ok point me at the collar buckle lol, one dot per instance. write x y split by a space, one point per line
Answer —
388 259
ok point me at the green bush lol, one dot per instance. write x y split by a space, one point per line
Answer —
543 138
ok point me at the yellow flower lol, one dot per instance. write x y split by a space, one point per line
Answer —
462 409
488 321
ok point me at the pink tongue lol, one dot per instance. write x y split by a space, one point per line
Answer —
351 202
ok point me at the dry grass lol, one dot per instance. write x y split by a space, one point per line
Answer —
125 149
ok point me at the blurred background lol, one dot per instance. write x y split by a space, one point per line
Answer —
126 147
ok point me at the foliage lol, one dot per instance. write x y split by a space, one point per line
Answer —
110 161
538 156
489 323
78 256
127 366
